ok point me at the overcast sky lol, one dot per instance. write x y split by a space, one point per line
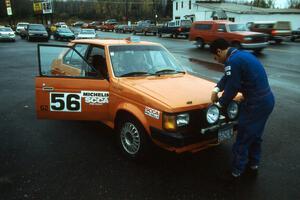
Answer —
281 3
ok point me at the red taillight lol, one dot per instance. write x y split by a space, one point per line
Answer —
274 32
179 29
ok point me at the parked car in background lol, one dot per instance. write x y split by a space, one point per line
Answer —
86 34
295 35
35 31
21 26
175 28
63 34
145 27
57 25
123 28
94 25
6 33
277 31
78 24
108 25
205 32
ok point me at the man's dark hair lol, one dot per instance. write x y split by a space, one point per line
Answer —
218 44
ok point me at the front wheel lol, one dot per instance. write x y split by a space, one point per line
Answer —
133 141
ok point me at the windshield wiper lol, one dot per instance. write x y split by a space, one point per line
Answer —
168 71
135 74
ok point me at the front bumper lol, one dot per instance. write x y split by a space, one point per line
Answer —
7 37
182 139
254 45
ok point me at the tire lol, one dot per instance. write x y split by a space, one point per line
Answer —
159 35
200 43
145 33
134 33
236 45
258 51
175 35
132 138
293 39
154 33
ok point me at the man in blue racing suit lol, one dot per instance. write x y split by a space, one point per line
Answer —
245 74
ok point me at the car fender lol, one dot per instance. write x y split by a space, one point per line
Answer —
134 111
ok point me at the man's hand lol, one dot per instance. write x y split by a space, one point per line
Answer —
240 98
214 97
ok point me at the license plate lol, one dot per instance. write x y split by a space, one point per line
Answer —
225 134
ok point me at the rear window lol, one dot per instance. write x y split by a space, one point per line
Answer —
37 28
203 26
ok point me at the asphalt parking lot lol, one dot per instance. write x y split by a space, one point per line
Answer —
52 159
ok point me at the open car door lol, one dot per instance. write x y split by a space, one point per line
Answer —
67 87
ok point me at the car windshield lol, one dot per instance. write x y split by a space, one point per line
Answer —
134 60
37 28
5 30
64 30
85 31
237 27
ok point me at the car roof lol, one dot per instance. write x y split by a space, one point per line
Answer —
111 42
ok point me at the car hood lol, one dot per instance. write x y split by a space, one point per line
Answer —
6 32
174 91
247 33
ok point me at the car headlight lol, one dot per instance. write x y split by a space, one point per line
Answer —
45 34
31 34
171 122
247 38
232 110
182 119
212 114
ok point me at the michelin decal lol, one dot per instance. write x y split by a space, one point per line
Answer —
95 97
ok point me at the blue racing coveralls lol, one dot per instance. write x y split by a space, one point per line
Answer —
244 73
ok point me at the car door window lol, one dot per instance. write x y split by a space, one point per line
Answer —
97 59
62 61
221 28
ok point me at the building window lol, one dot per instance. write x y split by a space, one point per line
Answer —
182 4
176 5
190 4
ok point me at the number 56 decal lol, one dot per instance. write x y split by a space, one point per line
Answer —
65 102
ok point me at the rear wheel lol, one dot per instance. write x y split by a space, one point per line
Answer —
278 41
258 50
133 140
200 43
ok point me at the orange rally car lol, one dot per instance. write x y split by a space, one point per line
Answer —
137 88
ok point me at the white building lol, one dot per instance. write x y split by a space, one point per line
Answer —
214 9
